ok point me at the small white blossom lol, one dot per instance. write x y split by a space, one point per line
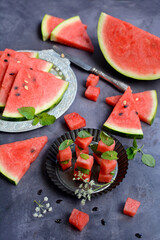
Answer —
45 199
47 205
89 197
91 182
44 211
74 179
86 185
35 214
40 215
79 195
83 201
90 191
50 209
37 209
81 185
77 191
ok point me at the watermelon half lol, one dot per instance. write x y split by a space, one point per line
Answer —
124 119
16 157
146 104
41 90
129 49
73 33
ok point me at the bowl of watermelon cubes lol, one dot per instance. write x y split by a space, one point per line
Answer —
84 151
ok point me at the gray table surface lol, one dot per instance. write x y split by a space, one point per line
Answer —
20 29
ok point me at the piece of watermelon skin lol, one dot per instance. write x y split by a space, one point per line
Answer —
146 104
78 219
16 157
131 206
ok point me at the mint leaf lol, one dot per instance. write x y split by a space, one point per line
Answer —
106 139
135 143
148 160
94 148
66 143
113 172
46 119
84 134
65 162
27 112
109 155
131 152
35 121
84 156
83 170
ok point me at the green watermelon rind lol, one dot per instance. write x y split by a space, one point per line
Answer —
102 19
19 117
35 55
11 178
45 34
154 108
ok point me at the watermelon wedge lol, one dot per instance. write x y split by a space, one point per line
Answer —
146 104
129 49
72 32
124 119
16 157
37 89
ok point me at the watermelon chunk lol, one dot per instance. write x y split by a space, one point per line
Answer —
102 147
97 158
92 93
129 49
92 80
72 32
85 176
78 219
131 206
37 89
64 164
85 163
65 154
124 119
81 150
16 157
107 166
146 104
74 121
83 142
105 178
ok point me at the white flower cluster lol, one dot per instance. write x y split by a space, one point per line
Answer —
42 208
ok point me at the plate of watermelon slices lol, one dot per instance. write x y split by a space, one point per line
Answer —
64 179
67 90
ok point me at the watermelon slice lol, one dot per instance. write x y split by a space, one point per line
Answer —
37 89
16 157
131 206
146 104
130 50
124 119
78 219
1 52
72 32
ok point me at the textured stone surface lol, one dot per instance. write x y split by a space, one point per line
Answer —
20 29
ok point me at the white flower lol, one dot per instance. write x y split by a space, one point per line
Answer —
50 209
45 199
91 182
90 191
40 215
79 195
44 211
81 185
37 209
86 185
35 214
77 191
47 205
74 179
83 201
89 197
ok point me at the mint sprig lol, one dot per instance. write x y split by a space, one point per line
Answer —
147 159
106 139
84 156
66 143
42 118
109 155
84 134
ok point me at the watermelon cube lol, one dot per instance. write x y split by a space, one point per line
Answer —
108 166
84 176
74 121
131 206
92 80
92 93
106 178
85 163
83 142
97 158
78 219
64 165
102 147
81 150
65 154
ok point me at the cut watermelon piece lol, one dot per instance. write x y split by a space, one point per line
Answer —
72 32
130 50
85 163
85 176
83 142
92 80
16 157
92 93
104 178
97 158
64 164
131 206
124 120
65 154
146 104
81 150
37 89
74 121
108 166
78 219
102 147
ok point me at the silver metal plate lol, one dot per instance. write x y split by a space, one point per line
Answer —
62 69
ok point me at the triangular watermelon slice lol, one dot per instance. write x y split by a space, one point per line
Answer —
124 119
16 157
146 104
72 32
129 49
37 89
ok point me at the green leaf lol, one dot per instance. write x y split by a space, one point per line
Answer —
66 143
109 155
131 152
35 121
113 172
65 162
135 143
27 112
83 170
46 119
84 156
94 148
106 139
84 134
148 160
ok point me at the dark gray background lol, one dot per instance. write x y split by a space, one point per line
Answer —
20 29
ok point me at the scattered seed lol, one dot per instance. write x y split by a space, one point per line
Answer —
95 209
8 55
15 87
31 68
40 192
32 150
25 81
18 61
26 87
138 235
103 222
59 200
58 221
62 55
17 94
120 114
125 106
137 113
29 76
124 102
137 99
33 79
5 60
11 74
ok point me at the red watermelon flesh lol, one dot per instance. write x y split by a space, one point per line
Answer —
81 150
146 104
65 154
97 158
2 70
78 219
16 157
74 121
106 178
83 142
102 147
131 206
1 52
108 166
92 80
85 163
92 93
37 89
84 175
124 119
71 32
65 165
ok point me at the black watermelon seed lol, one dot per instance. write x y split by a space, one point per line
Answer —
40 192
137 113
15 87
31 68
5 60
103 222
138 235
58 221
120 114
95 209
11 74
125 106
33 79
32 150
59 200
17 94
8 54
